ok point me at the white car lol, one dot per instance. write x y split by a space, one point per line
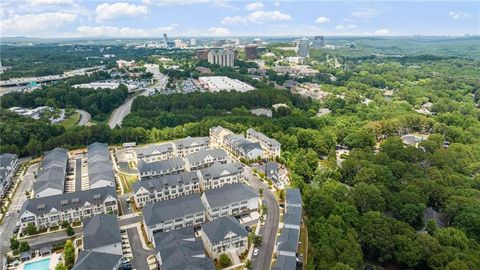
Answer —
255 252
7 214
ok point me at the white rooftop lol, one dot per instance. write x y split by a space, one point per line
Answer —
218 83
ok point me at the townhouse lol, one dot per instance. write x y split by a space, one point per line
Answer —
149 170
219 175
100 166
180 249
230 200
217 135
270 146
8 166
156 152
204 158
165 187
190 145
242 147
224 235
45 212
88 260
173 214
51 175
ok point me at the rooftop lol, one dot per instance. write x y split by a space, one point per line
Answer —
100 230
155 213
218 229
228 194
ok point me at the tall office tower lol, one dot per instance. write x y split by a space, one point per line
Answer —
193 42
224 58
178 43
303 47
165 40
251 52
318 42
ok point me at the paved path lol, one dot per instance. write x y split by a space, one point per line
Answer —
84 117
78 174
139 253
121 112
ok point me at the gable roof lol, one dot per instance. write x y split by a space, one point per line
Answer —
100 167
271 170
217 229
248 146
285 263
92 260
100 230
165 181
217 169
293 216
6 159
288 240
160 148
155 213
199 156
229 194
52 171
161 165
293 196
190 141
260 136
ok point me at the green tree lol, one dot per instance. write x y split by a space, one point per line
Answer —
34 147
60 266
70 231
225 260
248 265
24 246
368 198
14 243
69 254
31 229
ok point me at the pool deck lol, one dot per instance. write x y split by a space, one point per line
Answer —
54 259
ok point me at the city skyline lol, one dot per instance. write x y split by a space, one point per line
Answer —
152 18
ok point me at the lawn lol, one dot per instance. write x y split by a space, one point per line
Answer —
127 181
71 121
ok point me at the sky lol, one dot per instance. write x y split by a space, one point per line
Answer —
152 18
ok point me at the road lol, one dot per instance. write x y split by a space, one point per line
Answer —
121 112
6 228
78 174
84 117
139 253
269 230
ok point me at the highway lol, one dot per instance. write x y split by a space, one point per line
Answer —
84 117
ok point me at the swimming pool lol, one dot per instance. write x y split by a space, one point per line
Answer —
38 265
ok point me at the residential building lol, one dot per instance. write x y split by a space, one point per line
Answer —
230 200
155 152
285 263
287 242
173 214
101 233
100 166
202 54
45 212
191 145
205 158
293 198
180 249
217 134
219 175
92 260
165 187
8 166
271 171
318 42
412 140
251 52
224 235
303 47
51 175
223 57
125 64
242 147
270 146
149 170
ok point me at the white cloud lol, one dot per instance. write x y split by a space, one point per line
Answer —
259 17
219 31
50 2
458 15
322 19
30 23
254 6
277 3
175 2
382 31
348 26
108 11
365 13
234 20
113 31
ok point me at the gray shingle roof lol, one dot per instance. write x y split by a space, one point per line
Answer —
248 146
271 171
160 148
218 169
155 213
293 196
293 216
285 263
52 171
6 159
100 167
100 230
263 137
179 249
288 240
228 194
162 165
68 200
166 180
97 149
198 157
92 260
192 141
217 229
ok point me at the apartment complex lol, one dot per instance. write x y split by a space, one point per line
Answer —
205 158
155 152
191 145
51 211
149 170
270 146
242 147
219 175
100 166
8 166
51 175
249 148
224 58
223 235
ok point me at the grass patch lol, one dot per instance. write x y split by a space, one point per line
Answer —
127 181
71 121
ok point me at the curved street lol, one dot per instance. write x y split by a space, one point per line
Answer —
84 117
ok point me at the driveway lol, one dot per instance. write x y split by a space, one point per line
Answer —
139 253
84 117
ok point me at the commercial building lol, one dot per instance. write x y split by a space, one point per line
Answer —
155 152
191 145
51 175
100 166
230 200
205 158
180 249
173 214
165 40
219 175
8 166
165 187
303 47
149 170
98 85
101 233
125 64
223 57
219 83
270 146
45 212
224 235
251 52
318 42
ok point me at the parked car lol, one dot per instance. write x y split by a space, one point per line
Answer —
255 252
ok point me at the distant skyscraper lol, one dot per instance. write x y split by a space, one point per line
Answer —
318 42
224 58
178 43
251 52
165 40
193 42
303 47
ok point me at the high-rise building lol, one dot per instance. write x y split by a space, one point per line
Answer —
224 58
193 42
251 52
178 43
165 40
257 41
202 54
303 47
318 42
